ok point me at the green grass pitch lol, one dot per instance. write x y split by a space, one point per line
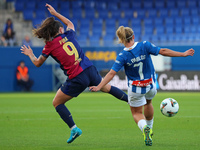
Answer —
28 121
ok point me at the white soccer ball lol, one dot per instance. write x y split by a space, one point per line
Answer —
169 107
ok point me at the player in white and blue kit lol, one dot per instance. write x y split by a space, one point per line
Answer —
139 69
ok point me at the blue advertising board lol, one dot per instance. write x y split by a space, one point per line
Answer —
102 57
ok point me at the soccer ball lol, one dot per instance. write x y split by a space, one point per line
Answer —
169 107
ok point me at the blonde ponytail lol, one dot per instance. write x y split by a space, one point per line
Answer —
124 34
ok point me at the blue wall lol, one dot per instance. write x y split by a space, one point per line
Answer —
10 58
188 63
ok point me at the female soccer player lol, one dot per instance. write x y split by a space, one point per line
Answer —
63 47
140 72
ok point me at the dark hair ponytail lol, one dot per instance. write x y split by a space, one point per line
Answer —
48 29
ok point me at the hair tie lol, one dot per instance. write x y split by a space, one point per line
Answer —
129 37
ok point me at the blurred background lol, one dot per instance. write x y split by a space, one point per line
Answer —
166 23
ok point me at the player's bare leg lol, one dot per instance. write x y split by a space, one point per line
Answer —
60 98
137 113
148 113
141 122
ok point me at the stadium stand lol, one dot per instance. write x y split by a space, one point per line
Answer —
148 18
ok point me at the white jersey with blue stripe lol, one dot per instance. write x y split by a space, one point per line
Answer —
137 63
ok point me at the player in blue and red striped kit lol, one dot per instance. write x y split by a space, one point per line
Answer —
63 47
139 69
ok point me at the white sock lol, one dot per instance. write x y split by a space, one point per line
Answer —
73 127
150 123
141 124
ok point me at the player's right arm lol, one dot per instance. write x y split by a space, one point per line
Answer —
36 61
66 21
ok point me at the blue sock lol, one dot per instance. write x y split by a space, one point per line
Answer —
65 115
118 93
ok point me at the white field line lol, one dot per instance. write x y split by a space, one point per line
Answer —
88 118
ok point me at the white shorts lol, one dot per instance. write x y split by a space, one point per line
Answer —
138 99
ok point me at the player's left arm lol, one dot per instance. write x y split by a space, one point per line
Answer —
171 53
66 21
29 52
109 76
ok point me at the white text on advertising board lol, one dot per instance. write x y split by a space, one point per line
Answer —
169 83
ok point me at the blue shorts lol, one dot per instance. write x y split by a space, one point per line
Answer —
89 77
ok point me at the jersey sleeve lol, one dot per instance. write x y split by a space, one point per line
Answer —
151 48
119 62
46 51
70 33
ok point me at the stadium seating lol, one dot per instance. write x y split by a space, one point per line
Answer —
19 6
192 3
169 30
184 12
148 22
174 12
136 22
152 13
148 4
169 21
186 20
112 6
195 20
36 22
141 13
30 5
124 5
40 14
160 4
137 30
83 39
76 5
94 40
193 11
115 14
100 6
163 13
123 22
90 13
178 21
28 14
41 4
65 5
160 30
171 4
158 21
108 40
181 3
148 18
136 5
